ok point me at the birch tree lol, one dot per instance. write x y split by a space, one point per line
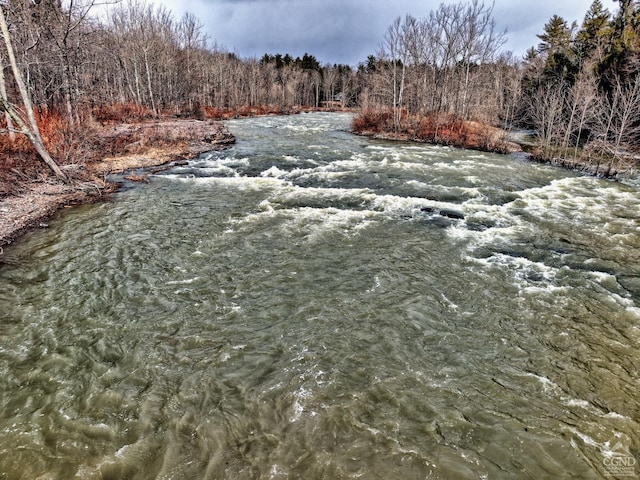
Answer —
29 127
479 43
546 112
394 49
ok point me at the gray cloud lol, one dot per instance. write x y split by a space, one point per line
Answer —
346 31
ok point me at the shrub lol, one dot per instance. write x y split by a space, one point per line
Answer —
122 113
373 121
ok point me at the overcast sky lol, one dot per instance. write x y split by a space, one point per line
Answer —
347 31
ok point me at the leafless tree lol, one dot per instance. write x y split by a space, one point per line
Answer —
30 126
619 118
546 110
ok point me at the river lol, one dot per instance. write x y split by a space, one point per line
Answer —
312 304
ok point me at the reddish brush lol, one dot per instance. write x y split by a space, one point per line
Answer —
372 121
442 128
54 130
122 113
66 144
213 113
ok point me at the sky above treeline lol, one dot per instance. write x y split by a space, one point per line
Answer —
347 31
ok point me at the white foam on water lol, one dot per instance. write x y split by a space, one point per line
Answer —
452 306
298 409
587 440
256 184
376 284
548 386
502 225
474 179
615 447
266 206
122 452
417 184
211 166
277 472
583 205
529 276
395 205
546 290
317 195
274 172
616 416
624 302
187 281
292 159
601 277
584 201
583 404
310 223
633 310
317 223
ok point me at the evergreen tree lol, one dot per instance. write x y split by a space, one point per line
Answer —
627 24
309 62
557 36
622 61
557 44
594 33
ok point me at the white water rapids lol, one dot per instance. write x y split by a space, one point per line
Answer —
312 304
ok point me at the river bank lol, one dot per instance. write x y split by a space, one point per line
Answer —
442 129
123 147
596 162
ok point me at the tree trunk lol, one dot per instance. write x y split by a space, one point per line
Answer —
32 131
9 120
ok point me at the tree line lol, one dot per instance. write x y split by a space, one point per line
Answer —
140 53
136 60
434 73
579 89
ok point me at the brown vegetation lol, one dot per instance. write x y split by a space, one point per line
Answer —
87 153
122 130
442 129
19 161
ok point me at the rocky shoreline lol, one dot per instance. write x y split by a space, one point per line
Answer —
152 144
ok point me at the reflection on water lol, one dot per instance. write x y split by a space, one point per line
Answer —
310 304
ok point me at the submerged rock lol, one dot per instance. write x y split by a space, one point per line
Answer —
455 214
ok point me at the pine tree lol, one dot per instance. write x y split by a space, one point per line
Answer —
557 43
623 50
627 24
594 33
309 62
557 36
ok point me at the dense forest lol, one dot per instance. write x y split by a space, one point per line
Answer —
69 66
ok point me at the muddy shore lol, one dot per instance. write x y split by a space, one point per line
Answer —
145 145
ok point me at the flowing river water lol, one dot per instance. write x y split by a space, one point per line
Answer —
311 304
